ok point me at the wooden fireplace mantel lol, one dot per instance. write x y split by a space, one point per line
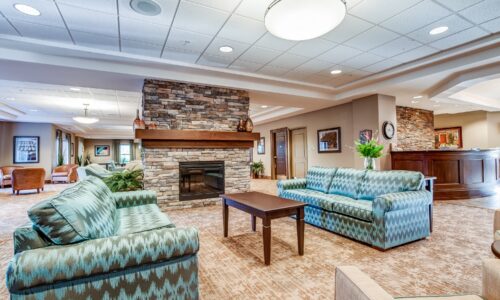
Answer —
163 138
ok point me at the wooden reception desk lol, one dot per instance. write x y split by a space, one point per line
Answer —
461 174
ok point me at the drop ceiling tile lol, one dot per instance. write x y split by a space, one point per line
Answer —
49 15
187 40
371 38
238 48
317 79
107 6
288 61
259 55
255 9
457 5
168 8
247 66
454 23
6 28
272 42
378 11
273 71
352 3
140 31
350 27
482 12
339 54
311 48
314 66
226 5
297 75
395 47
42 32
415 54
95 40
459 38
242 29
198 18
85 20
214 60
180 55
492 26
363 60
141 48
382 65
417 16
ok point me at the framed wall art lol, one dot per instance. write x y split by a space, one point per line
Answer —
26 149
329 140
102 150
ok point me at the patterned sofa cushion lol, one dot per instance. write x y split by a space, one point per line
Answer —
376 183
359 209
319 179
82 212
140 218
346 182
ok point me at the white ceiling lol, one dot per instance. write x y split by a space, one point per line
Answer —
376 34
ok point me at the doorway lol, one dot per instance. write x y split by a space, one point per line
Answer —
298 152
279 153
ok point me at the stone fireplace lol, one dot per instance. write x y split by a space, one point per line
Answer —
197 129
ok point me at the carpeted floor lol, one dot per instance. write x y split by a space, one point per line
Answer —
448 262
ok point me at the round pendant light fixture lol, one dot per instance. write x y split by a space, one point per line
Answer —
145 7
86 119
300 20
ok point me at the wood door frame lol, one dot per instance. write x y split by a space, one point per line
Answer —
273 151
291 144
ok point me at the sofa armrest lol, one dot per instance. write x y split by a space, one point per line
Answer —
401 200
352 284
291 184
496 225
491 279
50 265
134 198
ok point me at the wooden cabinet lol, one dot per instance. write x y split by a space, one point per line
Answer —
460 174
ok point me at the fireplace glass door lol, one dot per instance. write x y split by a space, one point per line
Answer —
201 180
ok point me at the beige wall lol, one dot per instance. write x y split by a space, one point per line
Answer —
89 149
46 132
478 127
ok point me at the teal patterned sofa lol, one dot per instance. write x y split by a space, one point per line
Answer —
381 208
89 243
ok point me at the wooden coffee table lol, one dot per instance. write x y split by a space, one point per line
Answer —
495 247
266 207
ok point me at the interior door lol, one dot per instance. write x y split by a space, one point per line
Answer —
299 153
280 153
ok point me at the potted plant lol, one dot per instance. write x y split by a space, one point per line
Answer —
369 150
125 181
257 168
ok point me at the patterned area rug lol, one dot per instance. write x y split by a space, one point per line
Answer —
447 263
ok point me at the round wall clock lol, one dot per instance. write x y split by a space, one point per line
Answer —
388 130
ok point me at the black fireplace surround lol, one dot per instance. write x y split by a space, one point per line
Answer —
201 180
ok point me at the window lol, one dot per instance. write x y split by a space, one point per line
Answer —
124 153
65 148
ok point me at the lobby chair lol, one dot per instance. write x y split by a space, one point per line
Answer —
352 284
28 179
5 175
65 173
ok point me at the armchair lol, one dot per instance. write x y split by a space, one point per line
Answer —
28 179
65 173
5 175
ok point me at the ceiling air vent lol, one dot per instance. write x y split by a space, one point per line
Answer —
146 7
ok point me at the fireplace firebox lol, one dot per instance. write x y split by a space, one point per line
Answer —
201 180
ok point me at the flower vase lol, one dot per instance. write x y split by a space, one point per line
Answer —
369 163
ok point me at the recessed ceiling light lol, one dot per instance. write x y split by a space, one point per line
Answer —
264 106
226 49
75 89
145 7
300 20
27 10
438 30
414 101
418 97
335 72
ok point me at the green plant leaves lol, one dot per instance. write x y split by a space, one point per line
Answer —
125 181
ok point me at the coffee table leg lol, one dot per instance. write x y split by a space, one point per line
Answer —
266 233
253 222
300 230
225 213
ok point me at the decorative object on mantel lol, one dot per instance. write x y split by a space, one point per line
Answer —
138 122
242 126
388 130
369 150
248 125
448 138
152 126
